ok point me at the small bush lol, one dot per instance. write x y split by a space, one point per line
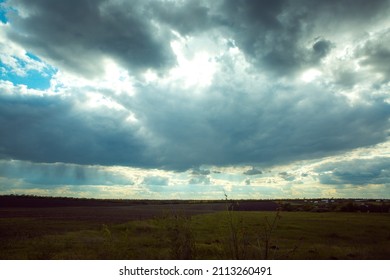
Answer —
267 236
181 237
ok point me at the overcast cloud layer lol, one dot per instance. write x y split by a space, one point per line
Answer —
257 98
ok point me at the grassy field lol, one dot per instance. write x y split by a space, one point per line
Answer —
178 235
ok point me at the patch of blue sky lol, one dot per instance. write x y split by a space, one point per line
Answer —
33 56
32 78
3 12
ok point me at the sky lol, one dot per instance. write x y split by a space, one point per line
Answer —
175 99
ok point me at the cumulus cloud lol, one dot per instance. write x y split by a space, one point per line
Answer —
277 35
356 172
180 85
253 171
268 126
286 176
199 180
185 17
375 54
198 171
53 129
79 35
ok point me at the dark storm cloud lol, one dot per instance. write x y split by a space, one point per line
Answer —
263 38
276 35
359 10
376 54
185 17
321 48
279 36
228 126
356 172
51 129
223 127
78 34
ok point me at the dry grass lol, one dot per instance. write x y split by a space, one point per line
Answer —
218 235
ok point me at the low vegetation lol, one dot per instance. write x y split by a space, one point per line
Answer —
173 233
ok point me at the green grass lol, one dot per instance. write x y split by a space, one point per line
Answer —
297 235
